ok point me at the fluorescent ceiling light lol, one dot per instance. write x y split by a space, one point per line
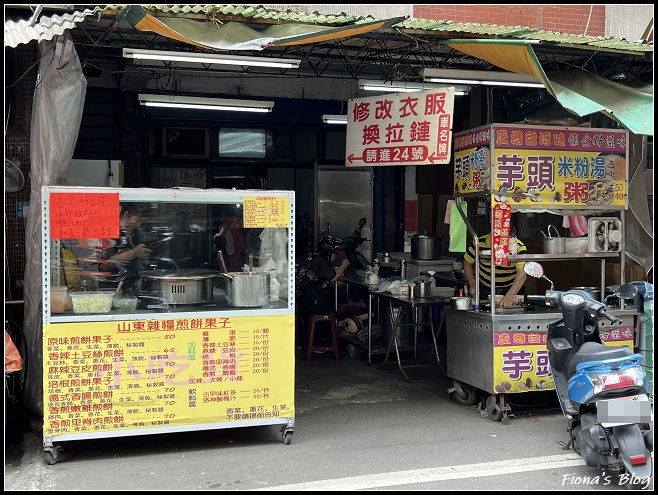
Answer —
210 58
407 87
334 119
192 102
480 77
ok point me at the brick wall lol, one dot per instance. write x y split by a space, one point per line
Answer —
567 19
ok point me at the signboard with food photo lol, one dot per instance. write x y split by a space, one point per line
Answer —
544 166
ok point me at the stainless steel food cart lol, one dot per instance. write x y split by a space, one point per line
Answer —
177 354
528 168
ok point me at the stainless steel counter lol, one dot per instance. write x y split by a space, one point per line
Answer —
419 308
483 348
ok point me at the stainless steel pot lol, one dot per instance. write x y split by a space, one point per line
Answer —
461 303
554 245
180 286
426 246
247 289
423 288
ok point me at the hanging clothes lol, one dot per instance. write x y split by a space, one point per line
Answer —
457 228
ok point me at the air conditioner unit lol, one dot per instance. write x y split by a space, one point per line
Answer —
605 234
185 142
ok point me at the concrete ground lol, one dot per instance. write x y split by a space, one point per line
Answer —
356 427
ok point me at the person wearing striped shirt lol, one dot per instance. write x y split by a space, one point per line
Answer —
510 280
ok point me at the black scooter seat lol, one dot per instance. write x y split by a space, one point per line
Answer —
593 351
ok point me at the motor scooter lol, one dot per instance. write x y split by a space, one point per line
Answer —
602 390
350 245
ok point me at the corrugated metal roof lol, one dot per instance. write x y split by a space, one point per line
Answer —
46 29
446 28
451 28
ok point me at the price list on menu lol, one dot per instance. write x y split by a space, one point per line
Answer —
266 211
113 376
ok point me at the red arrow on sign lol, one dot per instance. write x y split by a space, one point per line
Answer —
351 158
433 157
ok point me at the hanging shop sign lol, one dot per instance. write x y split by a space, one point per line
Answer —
128 375
544 166
400 129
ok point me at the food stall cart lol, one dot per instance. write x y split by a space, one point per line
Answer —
181 347
528 168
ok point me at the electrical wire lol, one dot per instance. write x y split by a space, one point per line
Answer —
31 67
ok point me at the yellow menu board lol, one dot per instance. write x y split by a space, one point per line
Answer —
114 376
266 211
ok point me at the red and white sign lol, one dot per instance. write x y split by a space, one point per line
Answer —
400 128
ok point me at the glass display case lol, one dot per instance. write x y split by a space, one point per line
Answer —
120 252
166 310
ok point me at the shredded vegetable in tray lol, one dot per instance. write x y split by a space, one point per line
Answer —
92 302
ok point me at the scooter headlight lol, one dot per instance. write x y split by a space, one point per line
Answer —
630 377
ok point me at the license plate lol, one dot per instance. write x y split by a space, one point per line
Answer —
624 411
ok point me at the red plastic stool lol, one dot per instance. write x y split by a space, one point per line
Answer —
310 322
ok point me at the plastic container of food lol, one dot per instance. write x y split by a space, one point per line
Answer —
58 299
124 303
92 302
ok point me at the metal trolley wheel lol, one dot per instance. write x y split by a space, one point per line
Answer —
493 413
468 395
286 435
51 455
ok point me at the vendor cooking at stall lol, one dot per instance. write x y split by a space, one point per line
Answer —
101 258
510 280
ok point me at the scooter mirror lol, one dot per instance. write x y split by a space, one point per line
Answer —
534 269
627 291
362 222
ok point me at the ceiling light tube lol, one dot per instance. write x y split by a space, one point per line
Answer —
334 119
408 87
210 58
480 77
195 103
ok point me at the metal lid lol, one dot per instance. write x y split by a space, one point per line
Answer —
180 274
426 235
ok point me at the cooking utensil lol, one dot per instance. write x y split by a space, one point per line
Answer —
247 289
423 288
220 260
181 286
426 246
461 303
554 245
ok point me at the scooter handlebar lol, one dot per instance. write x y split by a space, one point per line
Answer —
610 317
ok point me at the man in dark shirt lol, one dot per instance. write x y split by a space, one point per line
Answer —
316 279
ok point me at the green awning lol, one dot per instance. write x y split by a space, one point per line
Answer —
582 93
577 90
